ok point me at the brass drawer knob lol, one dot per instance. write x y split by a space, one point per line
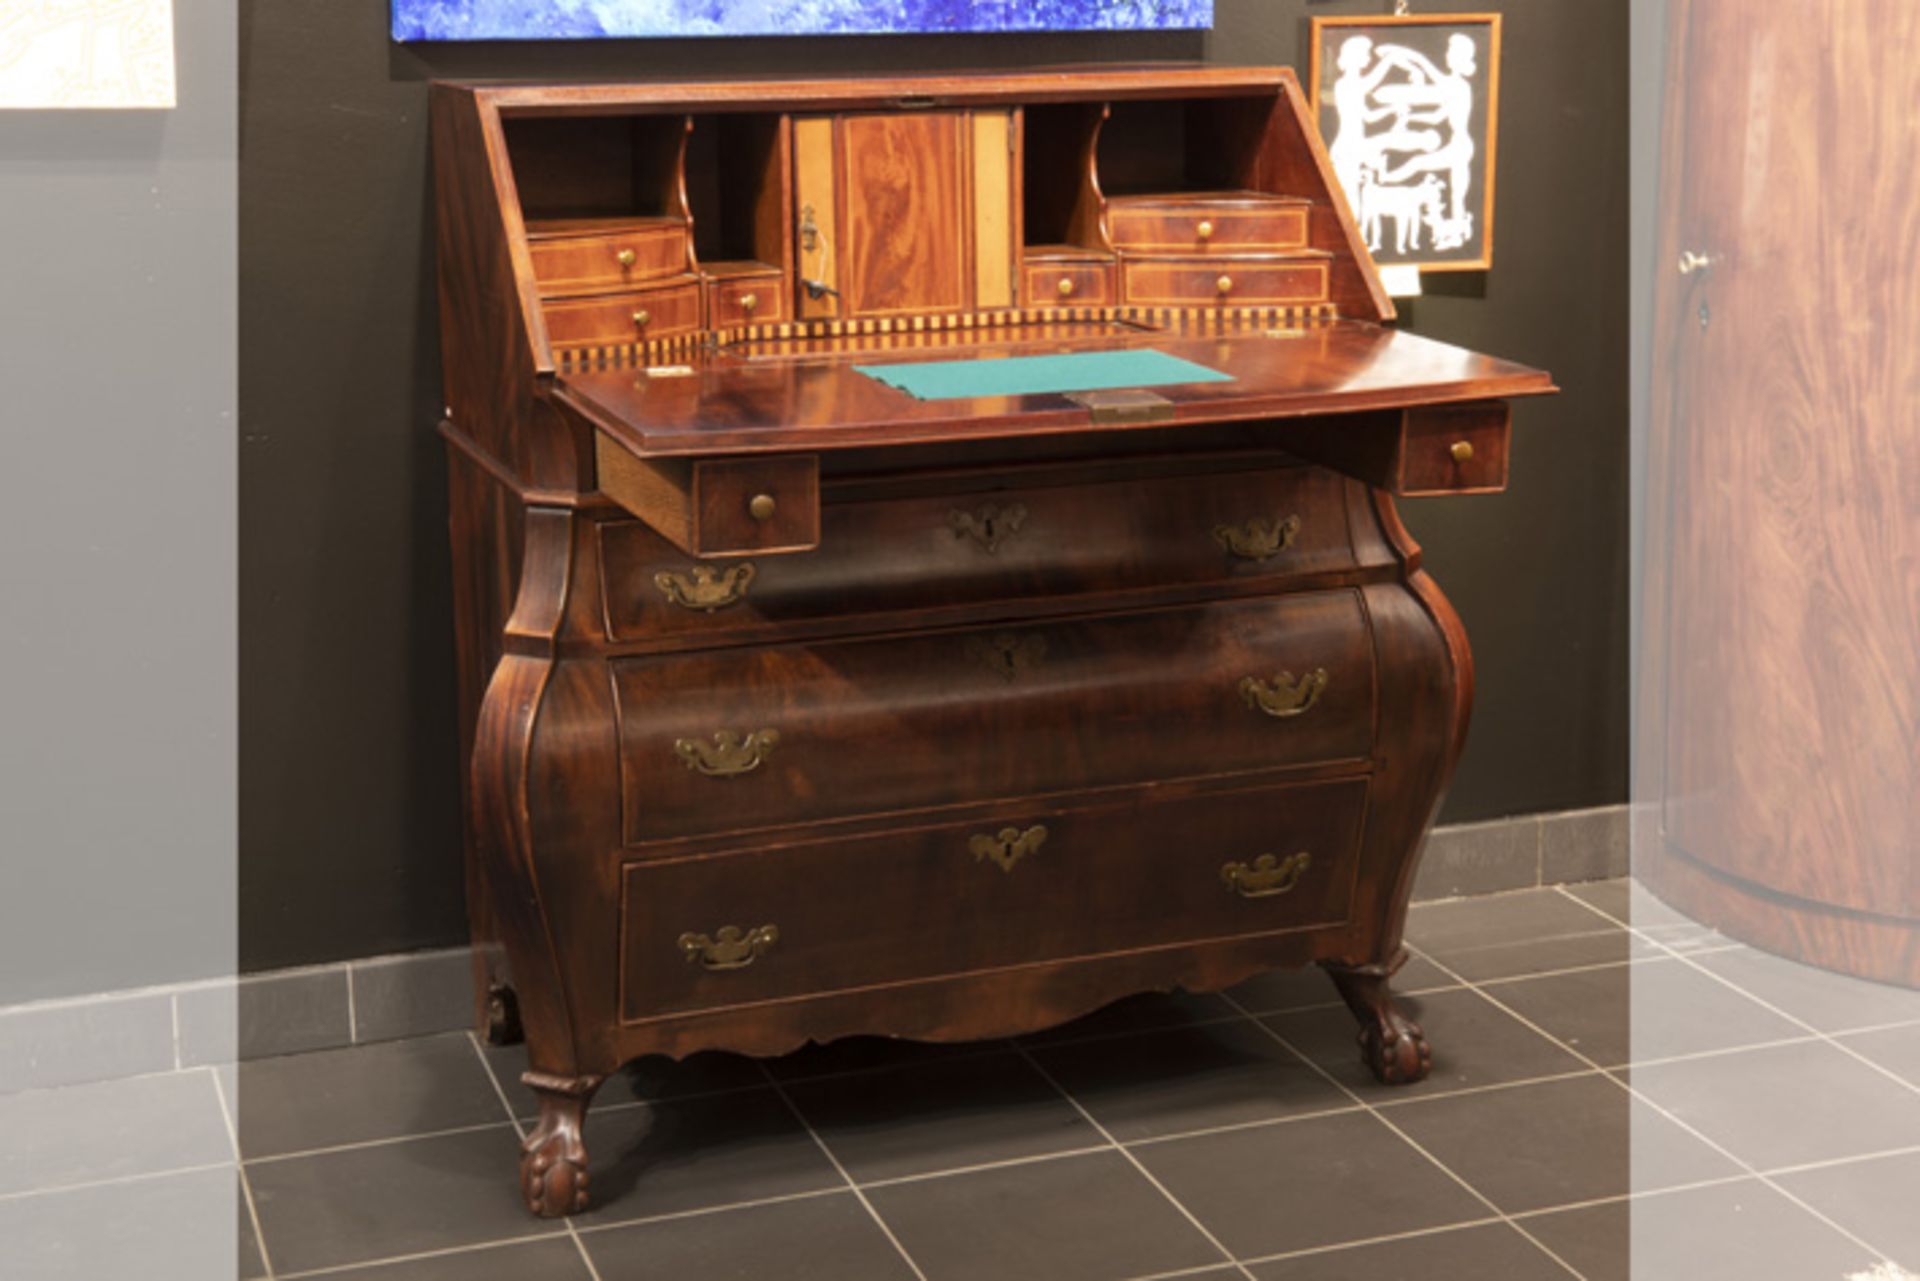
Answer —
729 948
1224 285
1205 231
1007 846
761 507
1260 538
1268 875
728 754
706 588
642 318
1462 451
1066 286
1284 696
626 257
748 302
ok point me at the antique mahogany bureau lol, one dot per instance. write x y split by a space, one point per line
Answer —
799 706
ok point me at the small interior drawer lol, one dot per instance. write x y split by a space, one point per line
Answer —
718 506
746 300
1067 283
1226 281
1206 226
1454 449
624 318
584 264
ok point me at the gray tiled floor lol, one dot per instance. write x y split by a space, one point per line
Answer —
1603 1099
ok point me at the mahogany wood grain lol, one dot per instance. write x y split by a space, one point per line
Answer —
1418 450
939 718
1783 699
1113 878
905 214
891 554
1208 222
827 404
1222 281
1069 282
657 312
614 260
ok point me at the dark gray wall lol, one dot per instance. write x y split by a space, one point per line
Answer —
349 837
117 259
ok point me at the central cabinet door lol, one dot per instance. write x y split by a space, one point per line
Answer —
901 193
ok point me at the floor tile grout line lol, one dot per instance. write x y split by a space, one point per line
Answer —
272 1158
674 1216
1633 1092
88 1185
230 1113
1408 1139
866 1203
1414 1234
1226 1255
500 1093
1642 1195
980 1167
499 1243
1829 1038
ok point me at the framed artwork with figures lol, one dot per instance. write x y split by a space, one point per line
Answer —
1409 107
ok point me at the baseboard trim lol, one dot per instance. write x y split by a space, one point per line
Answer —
195 1025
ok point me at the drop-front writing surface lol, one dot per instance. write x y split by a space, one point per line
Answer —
796 706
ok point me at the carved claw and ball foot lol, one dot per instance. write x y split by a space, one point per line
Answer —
553 1160
1392 1045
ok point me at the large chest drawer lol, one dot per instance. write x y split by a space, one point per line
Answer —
744 739
1269 520
1041 884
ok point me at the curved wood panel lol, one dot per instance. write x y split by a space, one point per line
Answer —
1787 538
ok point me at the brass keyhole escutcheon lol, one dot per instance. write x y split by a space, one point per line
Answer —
1204 230
1224 285
748 302
1066 286
988 526
761 507
626 257
1007 846
642 318
1462 451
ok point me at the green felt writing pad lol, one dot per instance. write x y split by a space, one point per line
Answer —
1036 375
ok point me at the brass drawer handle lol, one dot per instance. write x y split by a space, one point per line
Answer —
761 507
1268 876
989 525
731 949
626 257
705 588
728 754
642 318
1462 451
1224 285
1205 232
1066 286
1007 654
1284 696
1261 538
748 302
1007 846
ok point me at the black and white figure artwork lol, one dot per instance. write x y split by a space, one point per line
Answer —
1408 108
